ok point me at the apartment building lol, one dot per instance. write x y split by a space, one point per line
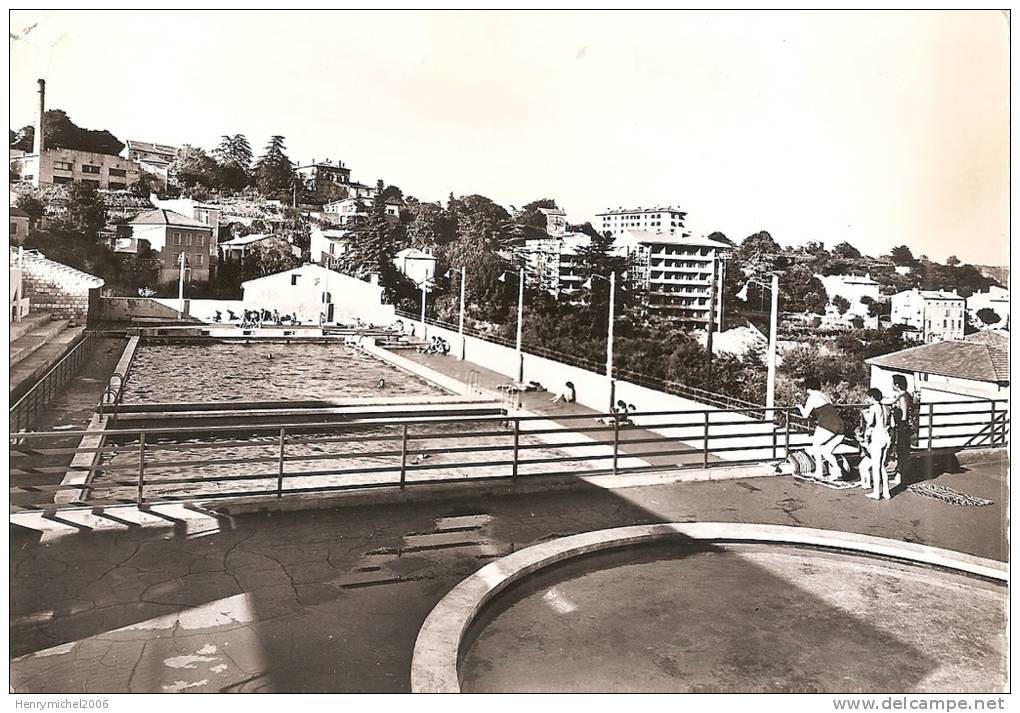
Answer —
931 315
660 220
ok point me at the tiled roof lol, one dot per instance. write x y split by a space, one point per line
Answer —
17 212
249 239
977 359
162 216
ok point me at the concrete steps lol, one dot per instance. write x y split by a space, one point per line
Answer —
33 364
36 338
31 321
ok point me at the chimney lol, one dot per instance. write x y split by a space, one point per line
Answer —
40 142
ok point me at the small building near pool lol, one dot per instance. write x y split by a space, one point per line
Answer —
315 293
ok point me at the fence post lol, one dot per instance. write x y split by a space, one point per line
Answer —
616 444
787 443
992 425
775 436
279 477
403 458
931 426
517 443
141 468
704 454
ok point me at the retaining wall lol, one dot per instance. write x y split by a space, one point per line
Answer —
54 287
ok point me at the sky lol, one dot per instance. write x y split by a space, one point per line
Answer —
876 128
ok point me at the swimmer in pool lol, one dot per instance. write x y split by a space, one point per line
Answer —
381 384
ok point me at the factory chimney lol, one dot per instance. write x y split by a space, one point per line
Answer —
40 143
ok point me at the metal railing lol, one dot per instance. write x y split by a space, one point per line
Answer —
674 388
26 409
151 465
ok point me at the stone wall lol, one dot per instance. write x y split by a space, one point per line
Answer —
54 287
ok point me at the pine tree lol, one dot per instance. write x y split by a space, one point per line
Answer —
274 171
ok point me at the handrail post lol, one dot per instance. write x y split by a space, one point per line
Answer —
403 458
517 443
704 454
279 477
993 424
616 444
141 468
931 426
775 436
787 443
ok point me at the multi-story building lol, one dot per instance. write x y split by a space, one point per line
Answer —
171 234
205 213
677 275
858 290
994 298
931 315
324 174
152 158
328 247
54 166
665 220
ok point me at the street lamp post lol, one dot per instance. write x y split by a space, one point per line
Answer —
520 319
770 384
463 285
609 336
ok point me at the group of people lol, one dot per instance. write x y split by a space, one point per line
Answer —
883 425
435 345
254 318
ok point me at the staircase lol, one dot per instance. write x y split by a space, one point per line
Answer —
38 342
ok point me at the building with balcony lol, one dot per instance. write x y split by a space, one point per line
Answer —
61 166
665 221
930 315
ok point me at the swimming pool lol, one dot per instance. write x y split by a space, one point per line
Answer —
218 371
739 618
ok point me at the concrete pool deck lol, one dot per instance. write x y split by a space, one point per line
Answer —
332 600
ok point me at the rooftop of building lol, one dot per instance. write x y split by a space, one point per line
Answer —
163 216
650 209
983 356
853 279
16 212
932 294
415 254
150 146
248 239
649 238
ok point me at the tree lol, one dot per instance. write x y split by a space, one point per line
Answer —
846 251
902 257
952 261
23 139
145 186
988 316
801 291
721 237
759 253
191 167
841 303
141 269
531 215
85 212
427 225
233 156
274 171
63 133
372 251
32 205
267 258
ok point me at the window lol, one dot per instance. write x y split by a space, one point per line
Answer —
198 259
89 168
118 172
177 238
91 181
199 240
56 179
187 239
63 165
14 228
117 186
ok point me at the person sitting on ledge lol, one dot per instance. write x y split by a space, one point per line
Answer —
568 395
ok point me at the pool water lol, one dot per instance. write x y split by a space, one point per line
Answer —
739 618
219 371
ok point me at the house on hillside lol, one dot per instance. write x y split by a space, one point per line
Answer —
315 293
994 298
153 158
951 370
237 248
858 290
329 246
418 266
345 210
930 315
171 234
20 222
325 176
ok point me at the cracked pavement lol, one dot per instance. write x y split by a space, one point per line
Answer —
332 600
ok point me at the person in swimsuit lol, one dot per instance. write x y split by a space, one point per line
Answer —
903 406
876 433
829 430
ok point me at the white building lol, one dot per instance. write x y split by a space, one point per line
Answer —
933 315
313 292
328 247
346 209
667 220
996 299
855 289
418 266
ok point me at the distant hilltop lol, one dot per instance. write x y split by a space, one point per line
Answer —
999 274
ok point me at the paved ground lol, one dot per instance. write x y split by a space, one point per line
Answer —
333 600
